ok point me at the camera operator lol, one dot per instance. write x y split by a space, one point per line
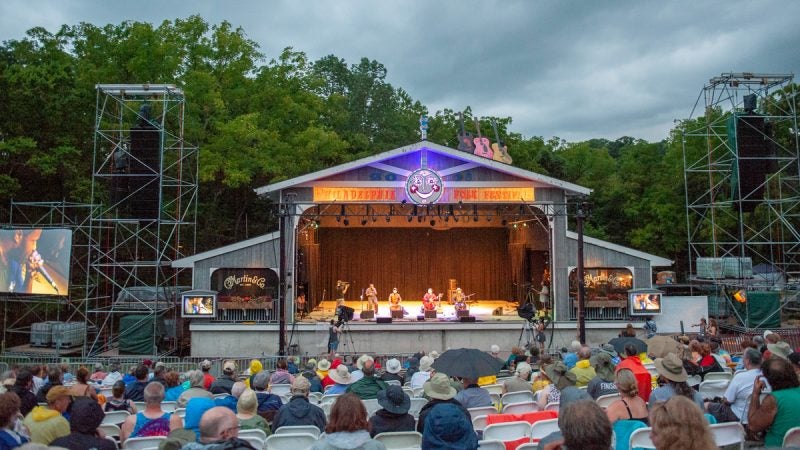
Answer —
334 330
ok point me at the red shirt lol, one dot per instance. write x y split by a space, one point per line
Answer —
643 378
207 380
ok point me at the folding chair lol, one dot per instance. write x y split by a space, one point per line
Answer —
792 437
494 388
622 430
479 423
280 389
482 411
604 401
416 406
169 406
520 408
110 430
517 397
713 388
491 444
543 428
115 417
728 433
713 376
181 412
641 439
255 441
552 406
254 432
294 429
508 431
290 441
400 439
328 398
143 443
371 405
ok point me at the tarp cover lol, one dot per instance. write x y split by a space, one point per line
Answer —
136 334
761 309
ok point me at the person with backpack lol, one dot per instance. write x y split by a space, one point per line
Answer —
650 328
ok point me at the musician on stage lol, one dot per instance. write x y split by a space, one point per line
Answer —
301 305
430 300
459 300
372 297
394 300
341 289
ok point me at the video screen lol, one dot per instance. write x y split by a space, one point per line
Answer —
645 304
35 261
198 306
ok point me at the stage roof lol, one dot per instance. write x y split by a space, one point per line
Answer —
569 188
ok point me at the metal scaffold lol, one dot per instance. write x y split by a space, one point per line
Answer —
145 179
742 184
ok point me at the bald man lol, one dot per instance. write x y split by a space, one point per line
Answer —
219 425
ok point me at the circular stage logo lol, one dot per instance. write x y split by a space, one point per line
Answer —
424 186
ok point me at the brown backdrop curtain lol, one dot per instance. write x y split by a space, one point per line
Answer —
412 259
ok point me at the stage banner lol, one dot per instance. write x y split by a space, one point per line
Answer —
245 288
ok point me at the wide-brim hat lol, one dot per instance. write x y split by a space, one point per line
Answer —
425 363
341 375
780 349
559 375
671 368
393 366
609 349
394 400
324 364
438 387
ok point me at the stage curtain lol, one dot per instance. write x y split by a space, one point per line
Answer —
413 259
314 294
516 268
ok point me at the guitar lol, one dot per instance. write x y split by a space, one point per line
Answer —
464 138
499 149
482 145
431 303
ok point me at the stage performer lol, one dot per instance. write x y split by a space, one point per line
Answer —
341 289
372 297
430 301
301 304
394 300
459 300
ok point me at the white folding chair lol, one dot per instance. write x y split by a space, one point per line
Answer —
491 444
314 397
552 406
328 398
115 417
728 433
482 411
400 439
140 406
418 392
507 431
409 391
520 408
394 382
181 412
641 439
416 406
713 388
528 446
109 429
792 437
479 423
371 405
290 441
116 444
254 432
542 428
712 376
255 441
169 406
280 389
517 397
494 388
222 395
604 401
143 443
294 429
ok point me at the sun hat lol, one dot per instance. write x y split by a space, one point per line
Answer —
434 354
361 360
206 364
425 363
312 361
57 392
603 366
559 375
780 349
393 365
341 375
229 367
671 368
438 387
767 333
324 364
495 348
394 400
609 349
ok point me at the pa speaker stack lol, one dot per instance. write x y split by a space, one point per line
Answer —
384 320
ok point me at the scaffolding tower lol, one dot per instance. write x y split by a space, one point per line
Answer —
742 183
145 180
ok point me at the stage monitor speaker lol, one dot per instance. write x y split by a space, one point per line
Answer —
384 320
750 102
397 314
430 314
462 313
420 318
466 319
756 150
367 314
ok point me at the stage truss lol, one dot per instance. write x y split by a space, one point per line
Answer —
132 251
724 218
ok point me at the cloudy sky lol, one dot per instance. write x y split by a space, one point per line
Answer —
572 69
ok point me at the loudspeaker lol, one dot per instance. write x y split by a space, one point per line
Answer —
145 170
420 318
384 320
462 313
397 314
346 313
430 314
367 314
466 319
755 148
749 102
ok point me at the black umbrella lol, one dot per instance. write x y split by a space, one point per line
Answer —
620 343
467 363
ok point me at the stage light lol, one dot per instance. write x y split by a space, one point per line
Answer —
363 221
740 296
388 219
410 218
419 219
374 219
338 218
433 222
403 202
346 221
447 218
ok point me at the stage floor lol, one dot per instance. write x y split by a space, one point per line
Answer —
482 310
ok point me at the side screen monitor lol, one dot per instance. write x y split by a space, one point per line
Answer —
35 261
198 306
645 303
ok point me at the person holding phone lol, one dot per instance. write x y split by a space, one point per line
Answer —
779 410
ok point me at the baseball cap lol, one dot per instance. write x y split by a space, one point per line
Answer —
229 367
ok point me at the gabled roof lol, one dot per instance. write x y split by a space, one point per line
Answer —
188 262
655 261
498 166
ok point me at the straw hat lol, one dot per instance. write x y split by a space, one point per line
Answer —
780 349
393 365
439 387
341 375
671 368
324 364
425 363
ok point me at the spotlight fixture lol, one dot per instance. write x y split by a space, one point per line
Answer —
419 219
504 222
433 222
410 218
363 221
346 221
338 218
404 202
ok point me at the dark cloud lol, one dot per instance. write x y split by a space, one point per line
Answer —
572 69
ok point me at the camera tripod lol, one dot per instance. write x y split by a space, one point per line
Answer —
346 334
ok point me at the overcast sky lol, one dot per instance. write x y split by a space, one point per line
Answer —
572 69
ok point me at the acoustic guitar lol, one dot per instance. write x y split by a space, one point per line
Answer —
499 149
465 138
482 145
